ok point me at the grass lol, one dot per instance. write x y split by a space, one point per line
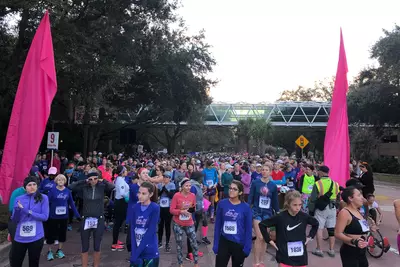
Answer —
390 178
3 219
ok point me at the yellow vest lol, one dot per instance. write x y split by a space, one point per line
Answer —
323 186
308 184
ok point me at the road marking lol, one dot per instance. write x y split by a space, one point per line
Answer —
395 251
389 208
380 197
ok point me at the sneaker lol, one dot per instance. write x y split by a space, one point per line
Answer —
386 244
201 254
120 243
331 253
212 220
199 242
55 242
206 241
160 245
9 238
60 254
167 248
50 256
69 228
318 252
117 247
371 244
189 257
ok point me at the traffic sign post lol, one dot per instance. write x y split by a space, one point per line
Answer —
302 142
52 143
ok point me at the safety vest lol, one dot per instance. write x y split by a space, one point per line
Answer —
308 184
323 186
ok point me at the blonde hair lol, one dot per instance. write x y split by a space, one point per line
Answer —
60 177
290 196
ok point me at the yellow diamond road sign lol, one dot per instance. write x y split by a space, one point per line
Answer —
302 142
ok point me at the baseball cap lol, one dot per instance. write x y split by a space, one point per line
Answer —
167 174
52 171
258 165
228 166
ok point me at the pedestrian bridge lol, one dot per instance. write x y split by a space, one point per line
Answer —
295 114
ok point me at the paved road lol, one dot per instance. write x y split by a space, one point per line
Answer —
385 193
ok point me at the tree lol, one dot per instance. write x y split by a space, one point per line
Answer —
258 130
322 91
121 56
363 141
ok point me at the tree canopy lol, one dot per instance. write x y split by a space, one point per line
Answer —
132 59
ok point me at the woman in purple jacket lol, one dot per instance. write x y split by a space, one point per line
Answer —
30 211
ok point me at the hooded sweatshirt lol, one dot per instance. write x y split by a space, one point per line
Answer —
30 218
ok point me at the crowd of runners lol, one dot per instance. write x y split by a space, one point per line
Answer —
252 200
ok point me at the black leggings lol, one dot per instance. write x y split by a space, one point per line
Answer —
227 250
119 217
97 235
197 218
165 220
353 257
18 251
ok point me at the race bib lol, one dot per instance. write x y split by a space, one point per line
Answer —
290 184
310 187
295 249
265 202
91 223
27 229
184 217
139 234
210 183
61 210
44 167
164 202
364 225
230 228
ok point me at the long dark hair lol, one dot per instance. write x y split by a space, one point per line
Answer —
152 189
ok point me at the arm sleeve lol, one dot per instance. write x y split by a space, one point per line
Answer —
72 205
44 214
275 201
16 212
217 228
248 232
314 225
173 208
251 195
273 221
77 186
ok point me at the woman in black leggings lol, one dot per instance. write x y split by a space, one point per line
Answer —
352 229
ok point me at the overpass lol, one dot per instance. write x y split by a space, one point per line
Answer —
294 114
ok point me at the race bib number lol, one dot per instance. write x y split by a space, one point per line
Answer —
210 183
364 225
184 217
91 223
139 234
265 202
230 228
61 210
295 249
164 202
310 187
290 184
27 229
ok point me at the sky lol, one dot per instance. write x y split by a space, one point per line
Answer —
263 47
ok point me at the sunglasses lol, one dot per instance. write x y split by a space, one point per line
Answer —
233 189
92 179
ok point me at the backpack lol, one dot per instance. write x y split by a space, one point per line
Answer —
325 199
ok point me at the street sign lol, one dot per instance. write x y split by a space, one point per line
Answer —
302 142
52 140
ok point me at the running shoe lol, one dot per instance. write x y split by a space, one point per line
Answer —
60 254
205 240
331 253
371 244
117 247
69 227
50 256
167 247
9 238
386 244
160 245
212 220
120 243
55 242
318 252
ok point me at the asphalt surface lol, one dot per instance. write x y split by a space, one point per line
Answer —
385 194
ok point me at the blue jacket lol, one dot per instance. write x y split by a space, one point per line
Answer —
59 201
144 233
30 218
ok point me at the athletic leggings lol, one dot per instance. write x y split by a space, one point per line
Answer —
18 251
119 217
198 216
227 250
165 221
191 233
97 235
353 257
148 263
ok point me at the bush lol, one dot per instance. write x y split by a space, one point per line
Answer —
386 165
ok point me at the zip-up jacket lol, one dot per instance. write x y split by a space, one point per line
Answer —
93 196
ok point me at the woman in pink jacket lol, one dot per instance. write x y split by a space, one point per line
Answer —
246 181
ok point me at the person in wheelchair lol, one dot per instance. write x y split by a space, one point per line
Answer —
374 210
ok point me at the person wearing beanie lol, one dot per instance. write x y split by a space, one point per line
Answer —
29 213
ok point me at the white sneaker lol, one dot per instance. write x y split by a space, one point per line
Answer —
55 242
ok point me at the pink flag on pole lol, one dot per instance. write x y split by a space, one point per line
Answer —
337 142
36 90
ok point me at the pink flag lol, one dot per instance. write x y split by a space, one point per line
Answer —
36 90
337 143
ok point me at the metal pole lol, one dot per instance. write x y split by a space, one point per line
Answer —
52 156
